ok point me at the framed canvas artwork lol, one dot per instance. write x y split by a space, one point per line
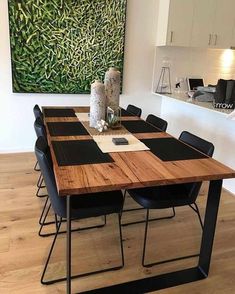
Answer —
62 46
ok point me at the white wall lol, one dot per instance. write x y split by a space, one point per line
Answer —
16 117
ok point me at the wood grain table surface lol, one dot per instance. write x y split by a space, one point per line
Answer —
130 169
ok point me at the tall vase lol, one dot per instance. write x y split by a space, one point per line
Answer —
112 87
97 103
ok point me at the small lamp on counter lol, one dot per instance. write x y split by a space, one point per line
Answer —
164 82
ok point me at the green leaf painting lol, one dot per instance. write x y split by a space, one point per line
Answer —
62 46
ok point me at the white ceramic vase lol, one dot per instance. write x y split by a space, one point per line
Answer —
97 103
112 83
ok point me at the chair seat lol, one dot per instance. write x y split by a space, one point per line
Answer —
162 196
96 204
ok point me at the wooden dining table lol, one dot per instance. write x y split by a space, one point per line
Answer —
136 169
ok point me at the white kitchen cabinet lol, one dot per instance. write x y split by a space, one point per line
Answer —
196 23
223 24
233 38
174 22
203 21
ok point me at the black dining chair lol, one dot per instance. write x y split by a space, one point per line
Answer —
40 130
157 122
37 113
171 196
134 110
85 206
161 124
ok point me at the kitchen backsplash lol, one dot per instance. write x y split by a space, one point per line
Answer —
210 64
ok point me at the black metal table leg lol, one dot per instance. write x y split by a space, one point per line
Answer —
188 275
68 249
212 208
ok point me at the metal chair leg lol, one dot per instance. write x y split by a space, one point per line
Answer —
120 235
163 261
196 209
39 180
42 221
50 252
36 168
69 253
150 220
145 236
64 220
39 185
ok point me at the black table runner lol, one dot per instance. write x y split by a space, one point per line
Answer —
171 149
139 126
79 152
59 112
66 129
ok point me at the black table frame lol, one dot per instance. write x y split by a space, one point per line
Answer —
170 279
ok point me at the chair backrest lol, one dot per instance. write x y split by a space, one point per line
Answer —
43 155
134 110
197 142
37 112
157 122
203 146
39 128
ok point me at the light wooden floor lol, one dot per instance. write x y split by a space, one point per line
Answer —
23 253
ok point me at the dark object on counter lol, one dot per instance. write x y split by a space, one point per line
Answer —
229 90
225 94
220 93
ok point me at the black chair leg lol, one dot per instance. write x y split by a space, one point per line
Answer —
150 220
36 168
69 252
43 223
39 180
145 236
39 185
196 209
120 236
51 249
163 261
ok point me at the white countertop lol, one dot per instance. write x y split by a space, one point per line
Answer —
183 97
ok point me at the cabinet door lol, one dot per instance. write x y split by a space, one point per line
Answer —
180 22
233 37
203 20
224 22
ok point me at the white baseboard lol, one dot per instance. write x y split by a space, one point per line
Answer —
16 150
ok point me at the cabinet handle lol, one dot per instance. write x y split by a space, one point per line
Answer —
215 39
171 37
209 39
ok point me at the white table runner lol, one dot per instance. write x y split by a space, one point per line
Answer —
82 116
106 145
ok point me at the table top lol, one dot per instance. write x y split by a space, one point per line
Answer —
128 170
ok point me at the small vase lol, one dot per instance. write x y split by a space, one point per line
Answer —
112 87
97 103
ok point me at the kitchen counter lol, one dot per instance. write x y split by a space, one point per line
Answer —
183 97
